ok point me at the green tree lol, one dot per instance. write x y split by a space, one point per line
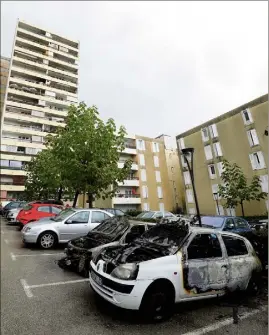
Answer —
235 189
88 151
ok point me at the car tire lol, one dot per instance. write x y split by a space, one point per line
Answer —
158 302
47 240
255 284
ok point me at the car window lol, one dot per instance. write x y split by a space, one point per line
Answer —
55 210
80 217
234 246
138 229
204 246
118 212
229 224
99 216
109 210
212 221
168 215
158 215
240 223
45 209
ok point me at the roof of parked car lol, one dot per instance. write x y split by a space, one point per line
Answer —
212 231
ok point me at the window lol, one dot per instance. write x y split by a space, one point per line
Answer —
205 134
181 143
184 164
189 196
145 191
45 209
161 207
204 246
241 223
4 163
192 211
55 210
230 211
234 246
187 178
264 183
213 221
156 161
220 168
215 188
213 131
208 152
158 176
143 175
118 212
252 137
217 149
159 192
146 206
172 169
141 159
168 215
247 118
81 217
212 171
15 164
155 147
257 160
98 217
140 144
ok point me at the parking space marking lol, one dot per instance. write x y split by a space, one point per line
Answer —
14 257
226 322
27 288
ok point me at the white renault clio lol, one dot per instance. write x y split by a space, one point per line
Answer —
173 263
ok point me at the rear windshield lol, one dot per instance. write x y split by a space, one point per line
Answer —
212 221
27 207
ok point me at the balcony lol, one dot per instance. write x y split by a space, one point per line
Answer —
12 171
134 181
8 187
25 130
129 149
130 199
134 166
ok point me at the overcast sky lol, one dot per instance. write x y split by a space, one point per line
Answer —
158 67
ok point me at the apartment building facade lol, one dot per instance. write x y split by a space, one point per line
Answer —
240 136
42 82
5 62
153 183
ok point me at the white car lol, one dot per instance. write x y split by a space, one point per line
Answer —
12 214
65 226
172 263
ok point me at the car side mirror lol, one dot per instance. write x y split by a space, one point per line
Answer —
68 221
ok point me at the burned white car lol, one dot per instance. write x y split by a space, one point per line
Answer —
111 232
173 263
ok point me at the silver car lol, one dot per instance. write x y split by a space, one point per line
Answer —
67 225
158 215
12 215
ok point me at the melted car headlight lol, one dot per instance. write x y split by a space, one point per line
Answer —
126 271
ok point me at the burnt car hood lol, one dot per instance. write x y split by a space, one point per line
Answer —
161 240
108 231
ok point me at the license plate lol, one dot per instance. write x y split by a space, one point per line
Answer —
96 278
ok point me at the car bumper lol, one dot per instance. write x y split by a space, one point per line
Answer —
130 300
29 237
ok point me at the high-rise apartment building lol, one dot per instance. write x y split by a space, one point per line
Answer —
154 182
5 62
42 83
240 136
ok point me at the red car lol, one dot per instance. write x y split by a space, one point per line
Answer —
35 211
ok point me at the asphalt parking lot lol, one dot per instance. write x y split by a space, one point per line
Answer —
38 297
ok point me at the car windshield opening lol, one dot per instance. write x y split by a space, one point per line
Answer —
212 221
63 215
148 215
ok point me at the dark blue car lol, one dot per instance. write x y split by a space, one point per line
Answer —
233 224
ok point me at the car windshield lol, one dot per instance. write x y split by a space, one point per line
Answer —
148 215
63 215
212 221
141 215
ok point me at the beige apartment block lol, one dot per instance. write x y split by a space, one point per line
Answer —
154 182
42 82
5 62
240 136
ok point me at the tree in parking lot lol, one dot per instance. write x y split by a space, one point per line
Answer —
87 151
235 189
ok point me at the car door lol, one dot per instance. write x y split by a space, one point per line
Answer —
41 212
205 266
75 226
238 259
96 218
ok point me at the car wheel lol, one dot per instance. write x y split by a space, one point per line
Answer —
255 284
158 302
47 240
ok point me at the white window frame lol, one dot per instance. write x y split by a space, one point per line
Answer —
146 206
183 162
143 175
181 143
159 192
187 177
158 176
192 211
161 206
155 147
246 122
211 175
213 131
142 160
205 138
140 144
215 188
208 152
217 149
145 191
220 168
189 196
257 160
253 137
156 161
264 183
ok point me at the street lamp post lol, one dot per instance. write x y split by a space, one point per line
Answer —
188 157
216 198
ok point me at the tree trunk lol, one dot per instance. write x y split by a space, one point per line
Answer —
60 193
75 199
242 208
90 200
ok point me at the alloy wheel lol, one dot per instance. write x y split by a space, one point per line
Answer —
47 241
